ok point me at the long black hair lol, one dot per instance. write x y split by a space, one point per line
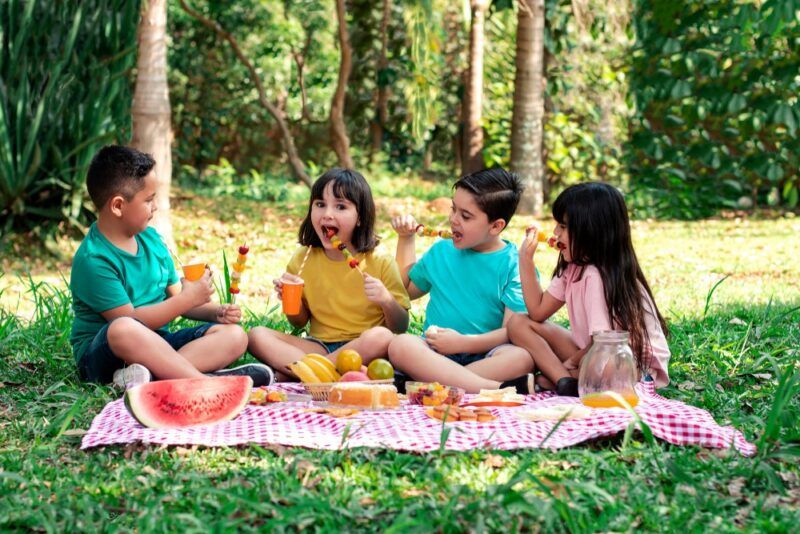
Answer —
351 185
600 234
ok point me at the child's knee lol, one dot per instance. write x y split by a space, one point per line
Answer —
125 331
400 346
378 337
517 322
258 334
234 335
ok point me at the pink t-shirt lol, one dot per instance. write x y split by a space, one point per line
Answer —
587 310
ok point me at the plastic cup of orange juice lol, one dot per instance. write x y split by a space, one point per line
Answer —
291 294
194 271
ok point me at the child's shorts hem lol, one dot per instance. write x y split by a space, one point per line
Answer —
99 362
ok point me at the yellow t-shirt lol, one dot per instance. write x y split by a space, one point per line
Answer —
334 293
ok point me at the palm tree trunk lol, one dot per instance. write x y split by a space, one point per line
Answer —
339 139
382 101
152 128
472 159
527 125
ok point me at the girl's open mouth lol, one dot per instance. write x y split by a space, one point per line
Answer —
329 231
457 236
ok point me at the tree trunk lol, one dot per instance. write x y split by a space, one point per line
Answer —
295 163
339 139
527 125
472 159
382 102
152 128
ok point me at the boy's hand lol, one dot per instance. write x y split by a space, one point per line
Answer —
375 291
287 277
198 292
528 247
229 314
404 225
444 340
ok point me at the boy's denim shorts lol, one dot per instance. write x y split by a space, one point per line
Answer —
466 358
99 362
330 346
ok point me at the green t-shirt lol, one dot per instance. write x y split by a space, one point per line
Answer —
105 277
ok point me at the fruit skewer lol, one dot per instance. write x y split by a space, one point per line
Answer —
423 231
352 261
238 268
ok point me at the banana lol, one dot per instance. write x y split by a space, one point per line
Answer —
324 362
303 372
320 370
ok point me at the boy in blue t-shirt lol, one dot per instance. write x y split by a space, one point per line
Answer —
473 281
125 290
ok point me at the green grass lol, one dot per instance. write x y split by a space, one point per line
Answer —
735 353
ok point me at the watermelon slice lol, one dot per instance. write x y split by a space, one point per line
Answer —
188 401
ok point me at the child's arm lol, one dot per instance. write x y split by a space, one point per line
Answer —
541 305
210 313
192 295
406 255
396 316
448 341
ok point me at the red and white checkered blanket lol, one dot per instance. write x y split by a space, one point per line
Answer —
410 429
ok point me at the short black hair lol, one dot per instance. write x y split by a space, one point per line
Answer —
497 192
117 170
351 185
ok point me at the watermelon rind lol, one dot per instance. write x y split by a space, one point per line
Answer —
187 402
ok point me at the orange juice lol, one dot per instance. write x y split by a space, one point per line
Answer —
604 400
194 271
291 295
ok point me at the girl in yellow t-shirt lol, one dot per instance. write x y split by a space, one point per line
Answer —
347 308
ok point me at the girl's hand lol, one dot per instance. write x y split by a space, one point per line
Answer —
229 314
444 340
285 277
404 225
375 291
528 247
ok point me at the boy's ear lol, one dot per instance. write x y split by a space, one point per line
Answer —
497 226
115 204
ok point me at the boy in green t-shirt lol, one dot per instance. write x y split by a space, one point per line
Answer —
125 290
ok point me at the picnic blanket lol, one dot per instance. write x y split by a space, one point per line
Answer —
410 429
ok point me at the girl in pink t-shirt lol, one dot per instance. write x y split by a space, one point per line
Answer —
599 279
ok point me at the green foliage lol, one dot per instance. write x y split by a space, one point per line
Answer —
715 85
64 91
216 112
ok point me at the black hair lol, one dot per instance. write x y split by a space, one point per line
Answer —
351 185
117 170
599 229
496 191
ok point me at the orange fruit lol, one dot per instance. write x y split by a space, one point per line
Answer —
348 360
380 369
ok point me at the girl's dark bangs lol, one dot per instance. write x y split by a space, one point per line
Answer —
343 187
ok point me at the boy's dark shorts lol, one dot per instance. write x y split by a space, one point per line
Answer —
99 362
466 358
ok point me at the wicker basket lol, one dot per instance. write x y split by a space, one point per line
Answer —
320 391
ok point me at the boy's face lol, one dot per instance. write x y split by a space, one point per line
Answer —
470 225
337 214
136 214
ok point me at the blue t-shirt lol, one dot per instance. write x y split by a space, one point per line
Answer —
105 277
469 291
